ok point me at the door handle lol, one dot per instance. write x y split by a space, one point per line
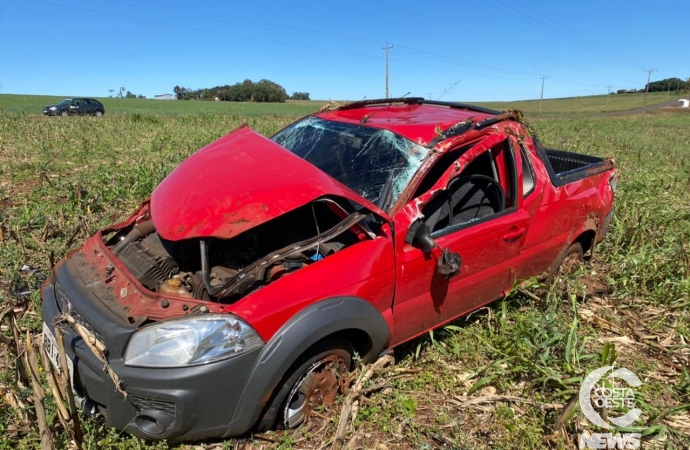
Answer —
514 234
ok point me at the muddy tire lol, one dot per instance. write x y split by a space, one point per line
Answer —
63 113
566 263
313 380
98 113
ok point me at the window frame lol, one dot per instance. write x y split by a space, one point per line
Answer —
527 162
505 173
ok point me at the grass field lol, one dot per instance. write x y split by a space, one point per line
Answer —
503 378
590 104
33 105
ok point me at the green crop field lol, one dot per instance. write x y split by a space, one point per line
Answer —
33 105
507 377
589 104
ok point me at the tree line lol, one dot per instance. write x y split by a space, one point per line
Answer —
247 91
121 93
669 84
673 84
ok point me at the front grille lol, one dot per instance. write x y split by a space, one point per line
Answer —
152 404
81 321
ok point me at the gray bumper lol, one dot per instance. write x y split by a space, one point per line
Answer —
175 404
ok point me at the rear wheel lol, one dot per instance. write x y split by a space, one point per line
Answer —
98 113
313 381
566 263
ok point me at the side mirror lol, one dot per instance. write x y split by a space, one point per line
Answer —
423 239
448 263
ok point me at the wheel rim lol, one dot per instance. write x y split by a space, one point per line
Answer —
99 114
318 385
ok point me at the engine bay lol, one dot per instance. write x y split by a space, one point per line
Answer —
225 270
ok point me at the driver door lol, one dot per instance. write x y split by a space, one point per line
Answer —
76 106
477 216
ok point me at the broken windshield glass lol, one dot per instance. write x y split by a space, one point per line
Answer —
370 161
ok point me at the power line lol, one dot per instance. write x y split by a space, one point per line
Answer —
576 32
503 42
178 10
608 95
649 77
386 48
530 19
541 99
325 35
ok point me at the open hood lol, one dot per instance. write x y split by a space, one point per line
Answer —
237 183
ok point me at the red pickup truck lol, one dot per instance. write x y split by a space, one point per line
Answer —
237 296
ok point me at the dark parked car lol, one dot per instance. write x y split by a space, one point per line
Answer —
78 106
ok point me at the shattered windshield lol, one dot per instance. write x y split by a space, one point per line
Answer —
370 161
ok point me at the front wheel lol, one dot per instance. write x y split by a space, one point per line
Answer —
98 113
63 113
313 381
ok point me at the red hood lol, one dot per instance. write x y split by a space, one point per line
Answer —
236 183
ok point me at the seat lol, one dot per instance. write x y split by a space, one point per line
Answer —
474 197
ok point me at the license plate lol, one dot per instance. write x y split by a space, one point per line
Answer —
51 348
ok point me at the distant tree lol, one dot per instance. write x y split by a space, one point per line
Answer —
668 84
300 96
122 92
141 96
111 91
182 93
246 91
130 95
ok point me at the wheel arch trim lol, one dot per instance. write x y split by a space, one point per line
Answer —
306 328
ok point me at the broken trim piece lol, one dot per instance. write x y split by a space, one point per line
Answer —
95 346
468 124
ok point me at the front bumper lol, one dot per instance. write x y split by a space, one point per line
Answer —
176 404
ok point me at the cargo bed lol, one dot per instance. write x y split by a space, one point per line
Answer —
566 167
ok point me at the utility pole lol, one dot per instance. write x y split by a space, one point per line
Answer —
668 91
430 95
608 95
541 99
386 48
649 77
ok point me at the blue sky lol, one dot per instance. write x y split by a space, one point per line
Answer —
469 51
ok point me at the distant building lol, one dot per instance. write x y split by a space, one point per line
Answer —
164 97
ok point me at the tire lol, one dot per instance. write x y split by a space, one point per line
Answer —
313 380
98 113
63 113
566 263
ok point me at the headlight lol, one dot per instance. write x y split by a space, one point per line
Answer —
52 108
191 341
